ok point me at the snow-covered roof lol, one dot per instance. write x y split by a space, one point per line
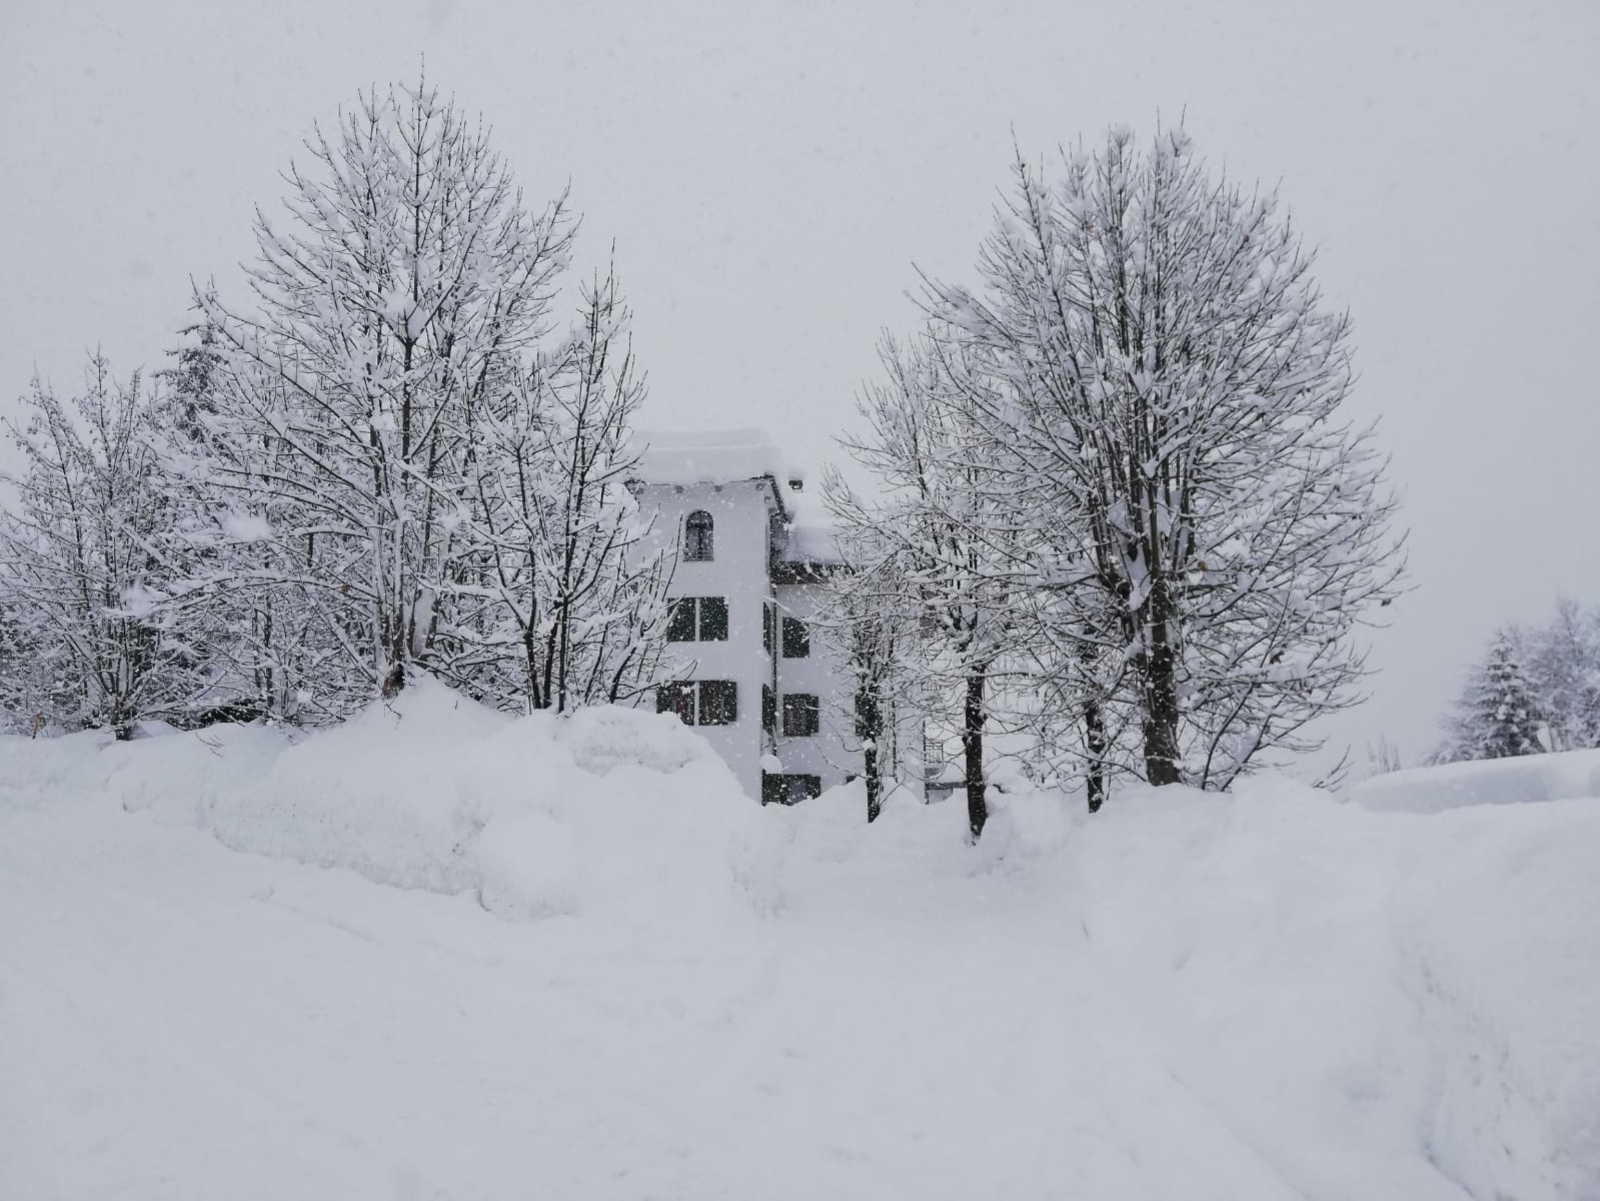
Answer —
811 541
722 456
707 456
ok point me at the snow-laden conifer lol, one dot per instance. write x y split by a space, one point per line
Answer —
1497 716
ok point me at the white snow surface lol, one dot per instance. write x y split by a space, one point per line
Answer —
1514 781
812 542
439 953
707 456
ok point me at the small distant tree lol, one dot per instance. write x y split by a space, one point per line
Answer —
1497 716
1564 671
84 562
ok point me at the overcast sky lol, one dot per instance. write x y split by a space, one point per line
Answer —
771 174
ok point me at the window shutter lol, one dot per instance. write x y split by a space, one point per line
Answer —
719 702
713 619
680 620
796 639
801 715
676 698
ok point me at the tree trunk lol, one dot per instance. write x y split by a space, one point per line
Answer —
1161 710
869 730
869 757
1094 738
972 748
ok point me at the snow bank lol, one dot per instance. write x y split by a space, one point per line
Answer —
1377 998
1485 782
1265 995
535 816
1377 1004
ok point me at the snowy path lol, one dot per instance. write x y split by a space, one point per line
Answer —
185 1021
180 1020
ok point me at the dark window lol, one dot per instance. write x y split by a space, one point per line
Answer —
700 703
697 537
680 620
799 715
719 702
698 618
796 639
769 618
676 698
789 789
713 619
769 709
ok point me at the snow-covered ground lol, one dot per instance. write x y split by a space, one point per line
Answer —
442 954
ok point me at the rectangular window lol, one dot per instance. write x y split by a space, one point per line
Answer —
700 702
769 709
698 619
800 715
719 702
796 639
769 618
789 789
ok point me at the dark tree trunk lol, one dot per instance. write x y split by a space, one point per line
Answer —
1094 738
869 757
869 730
972 748
1161 709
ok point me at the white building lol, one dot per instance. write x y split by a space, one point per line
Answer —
759 687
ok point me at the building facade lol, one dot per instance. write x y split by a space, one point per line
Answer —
746 591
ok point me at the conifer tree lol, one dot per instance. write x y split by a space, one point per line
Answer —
1497 716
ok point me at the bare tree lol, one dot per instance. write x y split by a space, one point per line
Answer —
561 604
84 564
868 628
1563 660
1156 378
399 301
947 518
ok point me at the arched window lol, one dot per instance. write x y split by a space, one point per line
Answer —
697 537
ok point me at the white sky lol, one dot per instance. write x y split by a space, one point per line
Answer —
772 173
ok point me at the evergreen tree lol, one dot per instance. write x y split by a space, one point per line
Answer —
1497 716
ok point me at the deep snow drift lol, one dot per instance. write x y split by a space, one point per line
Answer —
440 953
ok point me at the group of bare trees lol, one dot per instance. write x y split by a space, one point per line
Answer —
1116 524
1114 474
392 457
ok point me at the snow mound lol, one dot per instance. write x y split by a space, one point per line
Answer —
534 816
1516 781
1380 998
1263 995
